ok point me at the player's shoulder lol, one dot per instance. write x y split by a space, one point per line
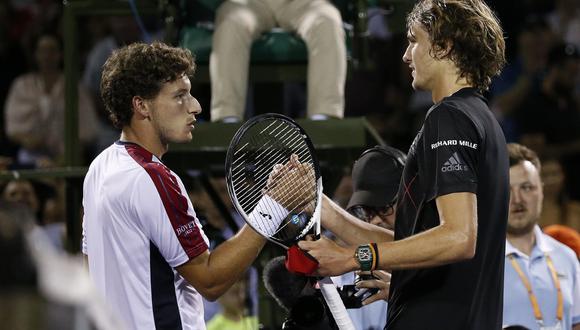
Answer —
99 162
141 158
450 113
467 106
465 99
130 163
116 165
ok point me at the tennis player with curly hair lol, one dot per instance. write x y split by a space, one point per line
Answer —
447 249
145 248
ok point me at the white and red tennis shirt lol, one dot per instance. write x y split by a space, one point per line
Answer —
138 226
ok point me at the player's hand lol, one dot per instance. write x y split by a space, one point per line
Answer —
293 184
332 259
381 281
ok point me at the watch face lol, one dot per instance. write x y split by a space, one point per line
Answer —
364 254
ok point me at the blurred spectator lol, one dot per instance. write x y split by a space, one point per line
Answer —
522 76
21 307
23 19
52 220
238 23
550 118
124 30
22 192
565 235
557 206
35 108
40 288
12 57
565 20
42 200
234 313
12 64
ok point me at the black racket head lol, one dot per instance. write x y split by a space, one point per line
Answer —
259 144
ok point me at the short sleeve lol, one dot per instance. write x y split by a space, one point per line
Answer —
450 153
167 216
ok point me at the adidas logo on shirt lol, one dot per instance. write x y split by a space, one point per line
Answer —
454 163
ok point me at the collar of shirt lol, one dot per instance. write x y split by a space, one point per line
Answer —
539 250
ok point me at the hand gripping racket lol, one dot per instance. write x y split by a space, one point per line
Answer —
282 210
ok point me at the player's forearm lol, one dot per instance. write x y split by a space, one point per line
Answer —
236 254
452 241
229 261
348 228
434 247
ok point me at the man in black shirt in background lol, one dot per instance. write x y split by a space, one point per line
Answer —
447 253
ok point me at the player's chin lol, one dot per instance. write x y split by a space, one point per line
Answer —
416 85
183 138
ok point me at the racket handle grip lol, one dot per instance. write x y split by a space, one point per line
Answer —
300 262
335 304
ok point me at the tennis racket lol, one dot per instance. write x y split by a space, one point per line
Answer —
274 181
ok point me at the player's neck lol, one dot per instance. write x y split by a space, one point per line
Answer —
524 242
145 139
447 85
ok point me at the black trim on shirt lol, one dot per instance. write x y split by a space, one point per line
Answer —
163 298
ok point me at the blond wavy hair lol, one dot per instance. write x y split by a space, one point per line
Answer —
465 31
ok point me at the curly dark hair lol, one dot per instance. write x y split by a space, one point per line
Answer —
519 153
140 70
465 31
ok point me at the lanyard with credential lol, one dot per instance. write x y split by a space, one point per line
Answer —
533 299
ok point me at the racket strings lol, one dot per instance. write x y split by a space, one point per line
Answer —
250 197
258 141
291 198
263 166
272 145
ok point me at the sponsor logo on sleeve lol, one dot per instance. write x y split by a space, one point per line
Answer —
185 229
462 143
454 163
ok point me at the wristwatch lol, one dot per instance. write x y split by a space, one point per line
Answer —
364 256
